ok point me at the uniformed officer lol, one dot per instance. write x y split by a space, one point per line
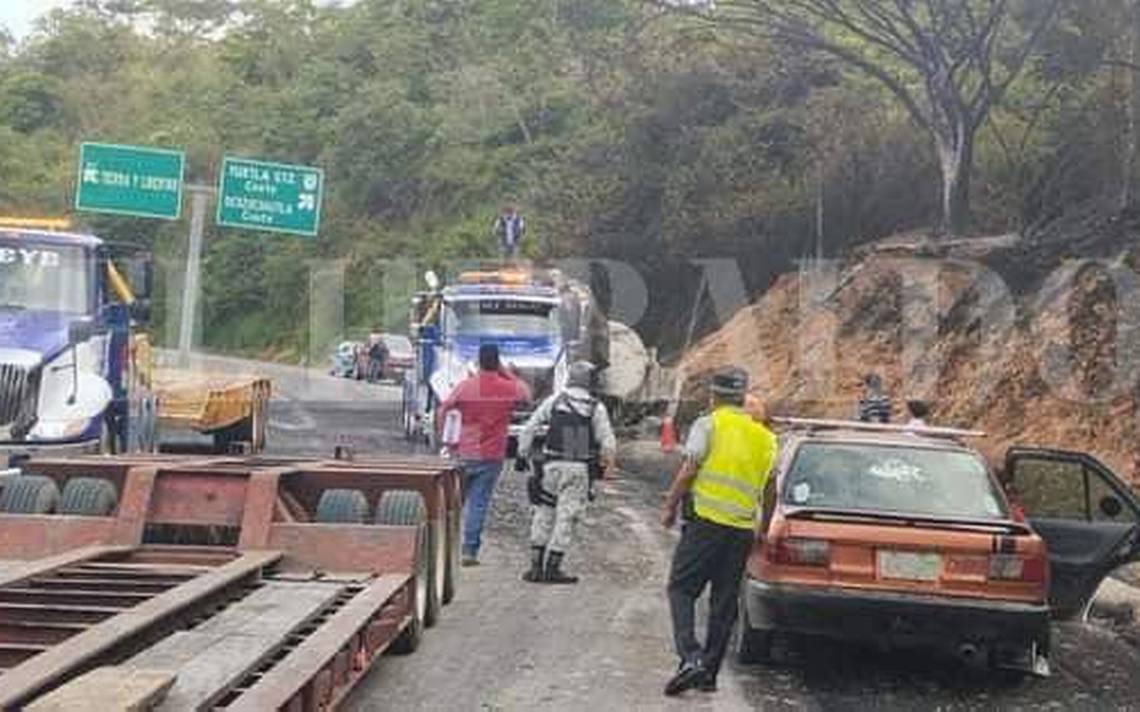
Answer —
722 481
579 437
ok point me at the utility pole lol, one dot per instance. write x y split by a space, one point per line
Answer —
191 287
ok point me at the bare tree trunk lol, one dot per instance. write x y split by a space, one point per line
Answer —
956 161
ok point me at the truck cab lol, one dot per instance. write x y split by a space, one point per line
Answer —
66 375
540 320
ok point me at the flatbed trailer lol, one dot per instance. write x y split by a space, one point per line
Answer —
230 409
180 583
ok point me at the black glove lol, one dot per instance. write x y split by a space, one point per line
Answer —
521 464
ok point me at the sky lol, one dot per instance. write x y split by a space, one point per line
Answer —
18 15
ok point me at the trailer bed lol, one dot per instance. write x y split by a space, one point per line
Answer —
219 583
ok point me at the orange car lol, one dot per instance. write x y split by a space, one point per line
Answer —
905 538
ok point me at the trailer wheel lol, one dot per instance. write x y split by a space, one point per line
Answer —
406 417
411 636
406 508
29 494
451 576
88 497
342 506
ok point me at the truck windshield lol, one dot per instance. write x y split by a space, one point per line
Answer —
892 479
502 317
44 277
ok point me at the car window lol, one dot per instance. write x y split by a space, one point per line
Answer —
1104 502
1051 489
895 479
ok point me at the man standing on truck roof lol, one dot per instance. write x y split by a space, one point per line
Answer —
485 402
579 438
509 228
723 479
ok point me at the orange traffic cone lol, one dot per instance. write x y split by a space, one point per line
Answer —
668 435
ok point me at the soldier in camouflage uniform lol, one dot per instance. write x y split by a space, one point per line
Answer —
580 436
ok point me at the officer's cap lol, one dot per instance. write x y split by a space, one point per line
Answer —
730 382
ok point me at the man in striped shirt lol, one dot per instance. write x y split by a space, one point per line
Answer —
874 406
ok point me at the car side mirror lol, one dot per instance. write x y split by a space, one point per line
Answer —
80 331
1111 507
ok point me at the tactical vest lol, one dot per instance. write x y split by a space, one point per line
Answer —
571 434
732 477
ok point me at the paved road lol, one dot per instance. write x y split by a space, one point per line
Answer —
604 645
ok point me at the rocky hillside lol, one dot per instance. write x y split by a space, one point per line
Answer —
1028 339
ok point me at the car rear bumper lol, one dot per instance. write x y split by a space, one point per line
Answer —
896 619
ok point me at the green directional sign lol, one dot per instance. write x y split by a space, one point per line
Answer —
270 196
130 180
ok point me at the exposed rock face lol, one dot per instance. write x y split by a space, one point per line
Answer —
1048 356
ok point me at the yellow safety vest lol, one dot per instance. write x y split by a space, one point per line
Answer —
731 480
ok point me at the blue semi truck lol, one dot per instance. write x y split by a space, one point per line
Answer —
69 378
77 370
540 319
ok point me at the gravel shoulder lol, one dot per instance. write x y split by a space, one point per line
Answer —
605 644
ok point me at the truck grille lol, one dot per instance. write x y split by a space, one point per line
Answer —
18 394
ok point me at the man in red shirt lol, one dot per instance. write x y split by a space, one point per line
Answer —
485 402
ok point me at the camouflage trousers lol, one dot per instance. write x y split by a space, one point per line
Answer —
569 483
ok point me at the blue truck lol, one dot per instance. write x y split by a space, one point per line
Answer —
68 376
77 370
540 319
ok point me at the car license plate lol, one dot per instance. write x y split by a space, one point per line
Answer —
909 566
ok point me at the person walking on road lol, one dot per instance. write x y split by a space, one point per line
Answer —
579 437
722 481
509 229
377 357
484 402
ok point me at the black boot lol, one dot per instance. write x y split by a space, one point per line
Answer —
554 572
536 573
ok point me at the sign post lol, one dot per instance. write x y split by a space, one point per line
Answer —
199 197
130 180
277 197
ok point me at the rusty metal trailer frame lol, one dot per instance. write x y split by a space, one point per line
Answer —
91 591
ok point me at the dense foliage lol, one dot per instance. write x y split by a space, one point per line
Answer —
625 129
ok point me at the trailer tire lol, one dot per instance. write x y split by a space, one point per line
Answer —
451 576
401 508
342 506
29 494
88 497
407 508
410 637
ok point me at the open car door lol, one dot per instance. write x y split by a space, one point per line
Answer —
1088 517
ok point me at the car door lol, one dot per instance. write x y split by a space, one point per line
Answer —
1088 517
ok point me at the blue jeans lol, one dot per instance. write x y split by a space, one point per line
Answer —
479 478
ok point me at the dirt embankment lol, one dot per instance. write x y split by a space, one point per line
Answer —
1034 340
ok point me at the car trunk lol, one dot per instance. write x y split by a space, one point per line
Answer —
858 551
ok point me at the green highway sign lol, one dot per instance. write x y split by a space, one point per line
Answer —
130 180
270 196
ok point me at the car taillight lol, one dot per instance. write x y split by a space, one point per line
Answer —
1008 567
800 552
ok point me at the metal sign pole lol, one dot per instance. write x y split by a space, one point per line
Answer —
199 196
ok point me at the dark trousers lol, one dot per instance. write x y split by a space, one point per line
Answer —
708 554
